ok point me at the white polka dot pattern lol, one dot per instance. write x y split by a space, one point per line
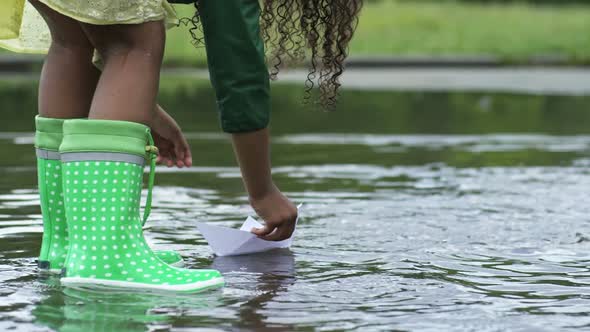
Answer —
54 245
102 201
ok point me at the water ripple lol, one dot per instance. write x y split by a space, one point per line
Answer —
427 247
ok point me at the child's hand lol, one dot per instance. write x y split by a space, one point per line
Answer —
168 137
278 213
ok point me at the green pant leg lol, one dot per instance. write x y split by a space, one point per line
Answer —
235 53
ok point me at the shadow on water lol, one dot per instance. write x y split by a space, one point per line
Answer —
424 211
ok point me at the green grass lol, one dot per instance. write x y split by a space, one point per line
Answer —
514 32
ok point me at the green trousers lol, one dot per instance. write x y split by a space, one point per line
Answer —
237 67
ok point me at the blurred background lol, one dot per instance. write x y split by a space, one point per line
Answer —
447 192
517 32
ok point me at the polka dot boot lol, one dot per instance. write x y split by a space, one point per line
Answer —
54 245
102 165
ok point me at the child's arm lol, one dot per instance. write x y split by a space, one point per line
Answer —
279 214
252 152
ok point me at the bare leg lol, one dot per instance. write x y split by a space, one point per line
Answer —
68 79
132 56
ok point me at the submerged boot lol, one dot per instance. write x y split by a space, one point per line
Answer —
54 245
48 138
102 165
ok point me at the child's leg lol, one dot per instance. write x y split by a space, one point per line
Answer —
66 87
111 175
102 188
66 90
68 79
129 82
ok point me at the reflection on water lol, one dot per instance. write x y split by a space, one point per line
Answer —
76 310
477 229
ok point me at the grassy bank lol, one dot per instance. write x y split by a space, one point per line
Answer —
514 32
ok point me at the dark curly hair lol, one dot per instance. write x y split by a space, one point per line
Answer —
296 29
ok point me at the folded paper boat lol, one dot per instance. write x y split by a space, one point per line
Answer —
227 241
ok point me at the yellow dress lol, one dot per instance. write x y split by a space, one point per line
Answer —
23 30
10 17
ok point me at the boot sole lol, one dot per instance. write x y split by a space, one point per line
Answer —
50 271
102 284
43 267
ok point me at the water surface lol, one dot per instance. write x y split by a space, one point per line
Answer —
424 212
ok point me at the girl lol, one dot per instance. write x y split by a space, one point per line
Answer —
93 138
235 42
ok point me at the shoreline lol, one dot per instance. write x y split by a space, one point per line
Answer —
20 63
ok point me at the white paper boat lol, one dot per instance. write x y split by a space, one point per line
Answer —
227 241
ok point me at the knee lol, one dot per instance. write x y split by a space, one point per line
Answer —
147 54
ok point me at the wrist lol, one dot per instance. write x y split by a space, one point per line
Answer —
155 117
260 192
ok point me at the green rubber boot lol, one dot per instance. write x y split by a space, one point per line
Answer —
54 245
102 165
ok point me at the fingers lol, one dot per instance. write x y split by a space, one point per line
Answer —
179 154
263 231
182 151
165 158
171 159
188 156
175 153
169 156
281 233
